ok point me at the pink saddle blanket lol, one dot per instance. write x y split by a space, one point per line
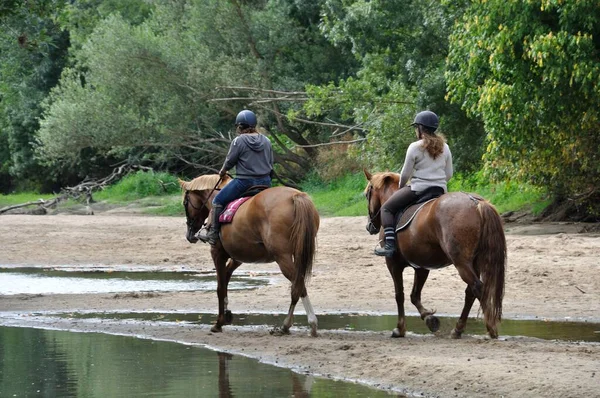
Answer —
232 207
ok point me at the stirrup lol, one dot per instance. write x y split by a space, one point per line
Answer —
208 237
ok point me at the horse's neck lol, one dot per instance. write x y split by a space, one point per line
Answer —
387 193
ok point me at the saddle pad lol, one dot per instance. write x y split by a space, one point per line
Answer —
227 215
407 216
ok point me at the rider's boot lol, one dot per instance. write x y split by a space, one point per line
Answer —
212 235
389 248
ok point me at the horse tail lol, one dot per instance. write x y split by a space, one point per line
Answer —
304 240
490 259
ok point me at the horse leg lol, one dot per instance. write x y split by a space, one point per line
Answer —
220 260
232 265
286 265
431 321
310 314
464 315
473 291
396 272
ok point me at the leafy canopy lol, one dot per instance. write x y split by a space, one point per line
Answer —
530 69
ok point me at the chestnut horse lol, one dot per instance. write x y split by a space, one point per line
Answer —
279 224
456 228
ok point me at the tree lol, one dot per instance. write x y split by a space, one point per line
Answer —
531 71
401 47
171 86
33 52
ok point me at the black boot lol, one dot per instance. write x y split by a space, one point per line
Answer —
212 235
389 248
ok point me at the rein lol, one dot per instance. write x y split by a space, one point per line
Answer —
370 225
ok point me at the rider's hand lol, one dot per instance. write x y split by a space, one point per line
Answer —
222 173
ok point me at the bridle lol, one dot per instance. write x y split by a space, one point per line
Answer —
371 225
187 201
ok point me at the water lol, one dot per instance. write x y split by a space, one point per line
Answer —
52 281
572 331
49 363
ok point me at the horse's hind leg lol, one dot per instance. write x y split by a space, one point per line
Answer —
432 321
464 315
310 314
287 266
473 291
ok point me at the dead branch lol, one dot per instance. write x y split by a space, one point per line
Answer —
80 192
332 143
258 100
263 90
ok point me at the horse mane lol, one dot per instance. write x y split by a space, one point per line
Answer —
203 182
378 180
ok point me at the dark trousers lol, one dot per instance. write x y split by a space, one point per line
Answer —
396 203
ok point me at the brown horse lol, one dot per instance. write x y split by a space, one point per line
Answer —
456 228
279 224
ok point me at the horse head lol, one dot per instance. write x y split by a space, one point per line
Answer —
380 186
197 197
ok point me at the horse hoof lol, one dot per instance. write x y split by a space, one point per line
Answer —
433 323
455 334
277 331
228 317
313 332
396 333
216 329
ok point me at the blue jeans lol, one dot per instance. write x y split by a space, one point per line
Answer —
236 188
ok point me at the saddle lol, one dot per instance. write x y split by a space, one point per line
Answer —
232 207
404 218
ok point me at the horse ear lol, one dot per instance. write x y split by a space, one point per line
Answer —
182 183
367 174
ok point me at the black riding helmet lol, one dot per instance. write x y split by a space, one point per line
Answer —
427 119
245 119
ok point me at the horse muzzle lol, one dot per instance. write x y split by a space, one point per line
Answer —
371 228
191 236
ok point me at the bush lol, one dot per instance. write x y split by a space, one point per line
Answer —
505 195
140 185
342 196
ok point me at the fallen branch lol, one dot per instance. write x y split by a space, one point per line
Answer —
81 192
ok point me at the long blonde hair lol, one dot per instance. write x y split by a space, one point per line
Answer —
433 143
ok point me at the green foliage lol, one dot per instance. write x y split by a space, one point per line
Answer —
505 195
340 197
152 86
531 71
34 51
402 47
22 197
140 185
167 206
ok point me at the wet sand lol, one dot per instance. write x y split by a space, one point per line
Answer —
553 272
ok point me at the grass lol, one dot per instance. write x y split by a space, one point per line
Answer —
505 195
159 194
139 185
24 197
341 197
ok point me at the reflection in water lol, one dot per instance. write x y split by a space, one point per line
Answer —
43 281
49 363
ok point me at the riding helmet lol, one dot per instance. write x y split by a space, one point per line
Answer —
427 119
246 118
